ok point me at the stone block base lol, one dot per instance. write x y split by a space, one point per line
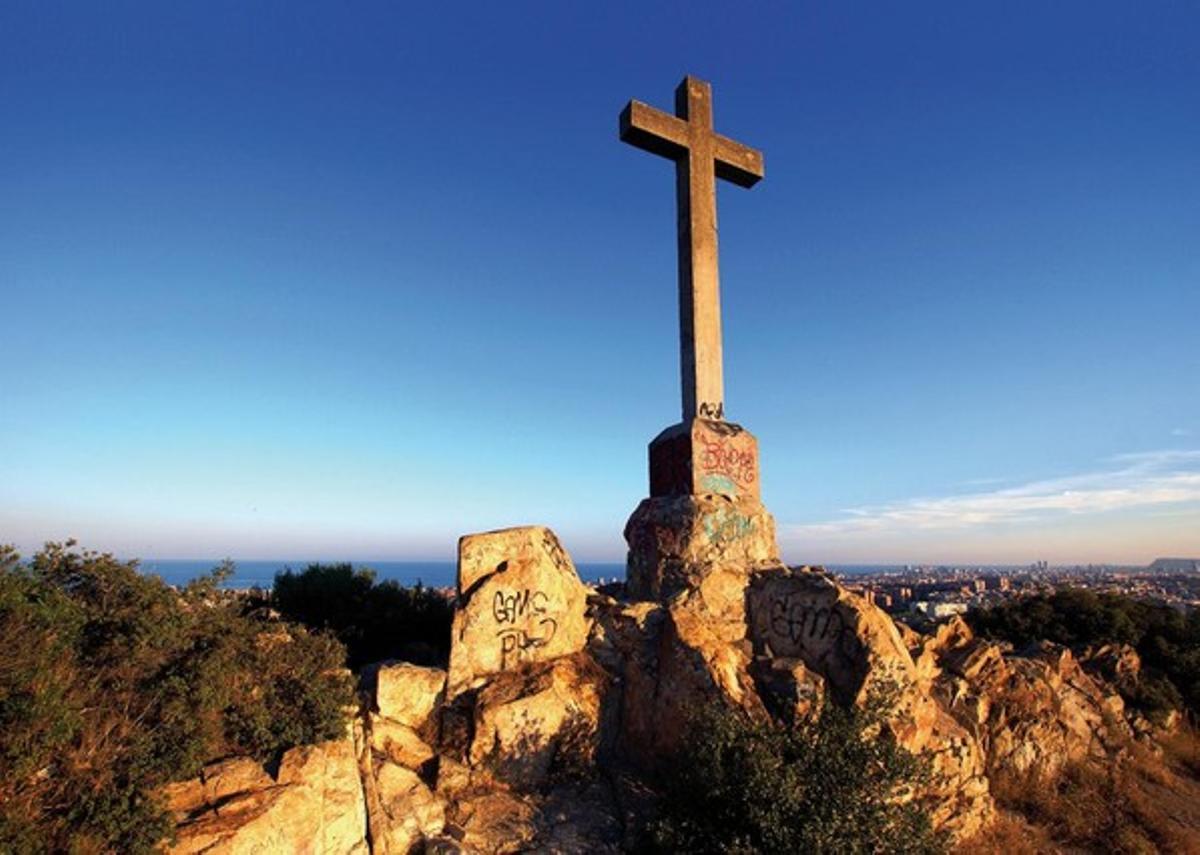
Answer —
704 456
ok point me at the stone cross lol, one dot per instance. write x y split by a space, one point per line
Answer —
701 156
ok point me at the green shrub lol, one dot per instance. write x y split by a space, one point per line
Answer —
112 684
832 782
375 621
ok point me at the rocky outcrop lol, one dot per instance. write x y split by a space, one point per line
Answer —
1030 713
408 694
404 811
539 744
401 722
313 804
528 721
856 650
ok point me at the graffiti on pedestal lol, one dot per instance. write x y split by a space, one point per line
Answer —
725 468
726 525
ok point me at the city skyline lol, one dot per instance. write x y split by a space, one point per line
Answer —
302 285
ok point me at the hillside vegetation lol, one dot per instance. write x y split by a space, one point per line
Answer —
112 683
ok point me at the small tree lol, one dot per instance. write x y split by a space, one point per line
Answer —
375 620
832 782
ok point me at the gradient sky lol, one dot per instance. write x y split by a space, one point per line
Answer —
285 280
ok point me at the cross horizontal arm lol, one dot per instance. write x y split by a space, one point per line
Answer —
653 130
736 162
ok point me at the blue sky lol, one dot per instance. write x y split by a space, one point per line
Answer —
292 280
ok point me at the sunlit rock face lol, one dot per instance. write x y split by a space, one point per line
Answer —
314 804
538 744
1031 713
520 601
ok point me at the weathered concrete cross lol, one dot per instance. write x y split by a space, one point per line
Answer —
701 156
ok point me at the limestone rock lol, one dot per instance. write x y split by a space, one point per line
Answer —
408 694
399 743
911 638
315 804
1031 713
805 615
798 614
217 781
675 542
405 812
1118 663
519 600
541 716
626 641
789 689
493 822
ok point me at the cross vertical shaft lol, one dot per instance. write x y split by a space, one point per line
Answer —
701 156
699 277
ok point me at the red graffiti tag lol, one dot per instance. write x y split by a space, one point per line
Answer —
720 457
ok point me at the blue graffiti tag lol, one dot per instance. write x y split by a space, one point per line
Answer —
725 525
718 484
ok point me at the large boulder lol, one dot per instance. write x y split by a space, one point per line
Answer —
401 724
408 694
404 812
519 601
314 804
804 614
539 717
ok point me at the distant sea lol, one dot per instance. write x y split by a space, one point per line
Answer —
436 574
261 574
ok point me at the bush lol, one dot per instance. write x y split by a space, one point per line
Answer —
1167 639
112 684
832 782
376 621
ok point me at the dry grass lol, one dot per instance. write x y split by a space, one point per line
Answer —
1182 751
1139 803
1009 832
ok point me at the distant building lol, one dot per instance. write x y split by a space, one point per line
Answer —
941 610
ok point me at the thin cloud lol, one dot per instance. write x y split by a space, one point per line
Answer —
1180 432
984 482
1143 480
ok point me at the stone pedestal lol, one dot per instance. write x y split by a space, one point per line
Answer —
704 456
677 541
703 514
